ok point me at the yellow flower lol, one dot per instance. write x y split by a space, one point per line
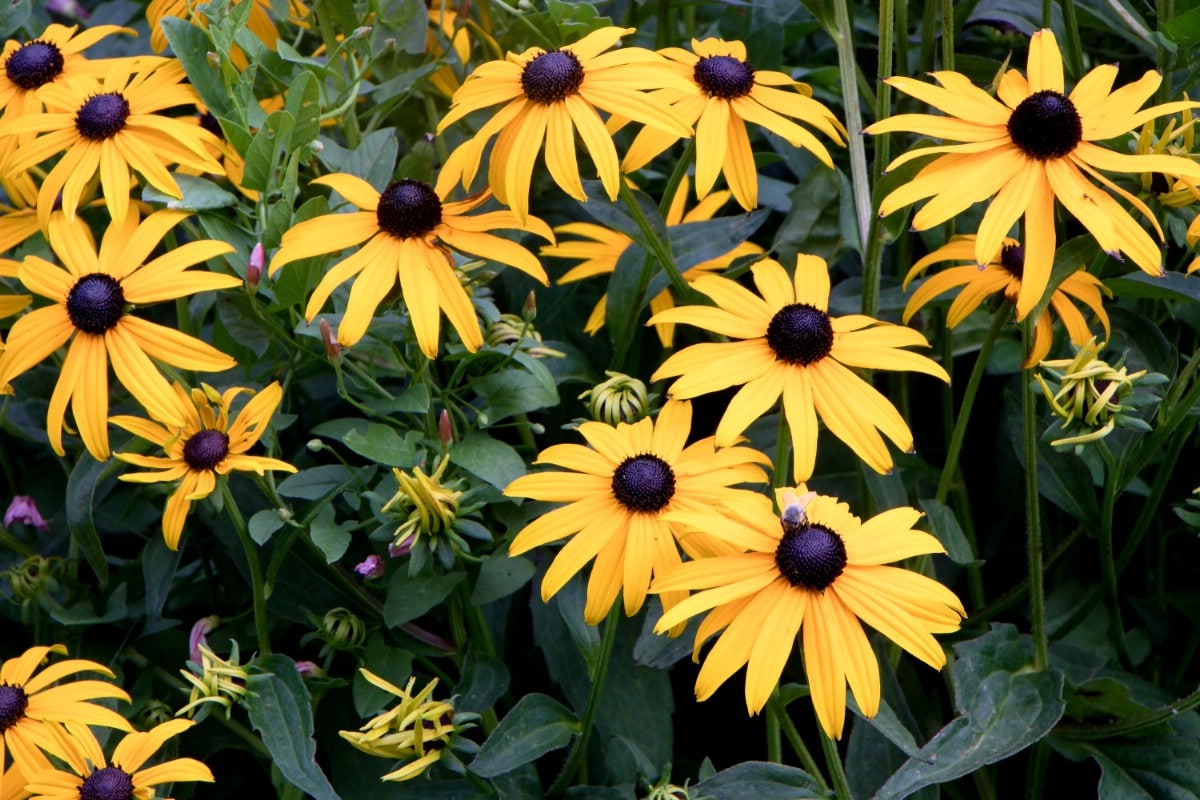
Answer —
548 95
814 572
90 293
600 248
447 27
618 497
12 782
1032 145
88 774
414 731
428 506
29 701
1004 274
791 347
54 57
1175 140
721 94
260 23
216 680
107 128
407 230
205 444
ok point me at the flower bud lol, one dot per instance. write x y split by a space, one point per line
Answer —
445 431
22 509
308 669
199 635
370 567
343 629
333 348
254 267
529 308
31 578
619 399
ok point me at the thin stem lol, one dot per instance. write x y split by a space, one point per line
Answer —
579 749
833 762
948 34
774 738
1033 527
968 401
1047 12
783 449
1037 771
859 174
1112 482
796 741
257 584
883 100
659 249
1133 726
1074 46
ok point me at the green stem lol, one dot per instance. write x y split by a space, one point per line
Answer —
1047 12
968 402
833 762
859 174
257 584
1133 726
796 741
948 34
579 749
660 249
1037 771
902 39
883 100
1108 566
1074 46
1033 527
783 449
774 738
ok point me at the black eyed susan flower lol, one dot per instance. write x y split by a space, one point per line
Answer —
88 775
29 702
599 248
814 572
618 496
791 347
722 92
406 232
548 95
106 128
207 444
1003 275
1032 145
91 293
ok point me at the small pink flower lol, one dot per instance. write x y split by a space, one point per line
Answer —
371 567
254 267
308 669
68 8
199 636
22 509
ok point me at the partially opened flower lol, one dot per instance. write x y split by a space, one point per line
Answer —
206 445
88 775
109 127
722 93
618 495
813 573
548 96
91 294
1027 147
1004 275
406 232
789 345
30 700
599 248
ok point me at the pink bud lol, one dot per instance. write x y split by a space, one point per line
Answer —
308 669
333 347
199 635
445 430
371 567
22 509
403 547
254 266
68 8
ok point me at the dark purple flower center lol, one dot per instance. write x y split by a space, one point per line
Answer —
551 77
800 334
34 64
102 116
95 303
408 209
107 783
643 483
810 556
205 449
1045 125
724 76
1012 258
13 702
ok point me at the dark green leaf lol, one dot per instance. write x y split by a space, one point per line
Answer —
948 532
199 194
1171 286
330 538
410 596
265 150
304 104
281 711
812 225
487 458
536 725
383 445
158 569
757 780
311 484
1005 706
512 391
483 682
499 576
191 46
373 159
81 499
